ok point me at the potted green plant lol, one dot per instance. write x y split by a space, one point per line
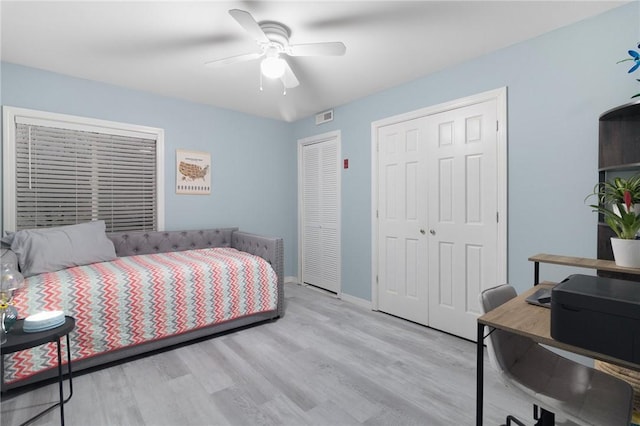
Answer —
612 192
619 203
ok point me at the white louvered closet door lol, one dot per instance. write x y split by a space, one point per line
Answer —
321 214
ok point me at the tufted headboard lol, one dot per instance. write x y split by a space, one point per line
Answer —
130 243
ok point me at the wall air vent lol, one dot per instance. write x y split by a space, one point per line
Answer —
324 117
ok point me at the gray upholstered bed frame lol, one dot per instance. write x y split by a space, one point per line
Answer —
141 242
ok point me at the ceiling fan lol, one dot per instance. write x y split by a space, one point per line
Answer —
273 40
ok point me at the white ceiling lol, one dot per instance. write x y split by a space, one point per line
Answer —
160 46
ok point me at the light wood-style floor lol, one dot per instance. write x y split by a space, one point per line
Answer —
327 362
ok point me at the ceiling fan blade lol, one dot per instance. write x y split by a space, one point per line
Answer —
289 79
247 22
332 48
234 59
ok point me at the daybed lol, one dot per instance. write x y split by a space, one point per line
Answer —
163 288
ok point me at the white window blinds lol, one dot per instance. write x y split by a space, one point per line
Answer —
70 174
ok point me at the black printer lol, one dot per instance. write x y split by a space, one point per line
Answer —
599 314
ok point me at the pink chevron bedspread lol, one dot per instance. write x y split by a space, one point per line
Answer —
136 299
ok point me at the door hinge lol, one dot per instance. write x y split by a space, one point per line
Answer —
497 217
497 125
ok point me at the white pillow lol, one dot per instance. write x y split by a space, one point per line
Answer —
52 249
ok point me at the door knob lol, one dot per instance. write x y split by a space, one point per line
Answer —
422 231
432 231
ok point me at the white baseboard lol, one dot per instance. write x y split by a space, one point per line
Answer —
342 296
356 300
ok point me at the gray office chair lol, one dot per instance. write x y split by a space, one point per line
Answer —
580 394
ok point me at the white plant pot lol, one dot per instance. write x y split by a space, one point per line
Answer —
626 252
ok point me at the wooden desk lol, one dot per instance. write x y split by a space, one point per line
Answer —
519 317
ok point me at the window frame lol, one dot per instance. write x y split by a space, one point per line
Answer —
45 118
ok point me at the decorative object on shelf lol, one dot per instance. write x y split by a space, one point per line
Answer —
635 57
10 282
613 192
619 203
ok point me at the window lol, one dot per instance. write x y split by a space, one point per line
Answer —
62 170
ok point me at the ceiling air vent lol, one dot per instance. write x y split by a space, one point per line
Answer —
324 117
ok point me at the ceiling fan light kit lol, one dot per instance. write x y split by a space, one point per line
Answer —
273 40
273 66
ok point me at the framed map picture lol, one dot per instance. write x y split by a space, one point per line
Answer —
193 172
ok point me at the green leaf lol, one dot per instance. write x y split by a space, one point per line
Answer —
613 225
625 224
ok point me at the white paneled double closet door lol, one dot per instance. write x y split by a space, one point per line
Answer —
438 231
319 207
402 220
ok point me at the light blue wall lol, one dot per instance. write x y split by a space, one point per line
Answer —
558 85
253 182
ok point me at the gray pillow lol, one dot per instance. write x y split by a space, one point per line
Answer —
52 249
7 239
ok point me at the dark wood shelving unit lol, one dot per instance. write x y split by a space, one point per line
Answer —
619 138
618 150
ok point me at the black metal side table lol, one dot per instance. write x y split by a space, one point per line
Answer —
18 340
